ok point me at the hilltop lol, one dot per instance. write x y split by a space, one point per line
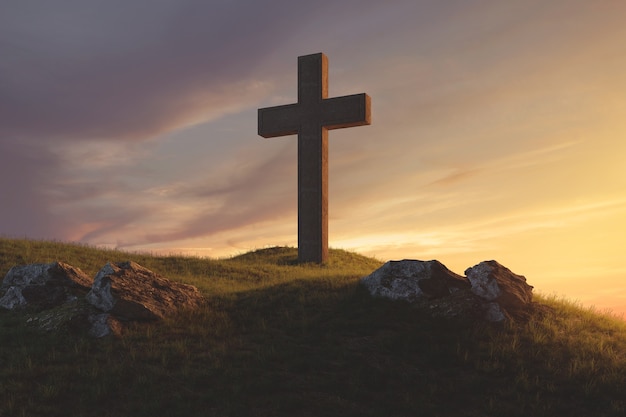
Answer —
277 338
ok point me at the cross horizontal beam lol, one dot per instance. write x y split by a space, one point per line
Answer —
334 113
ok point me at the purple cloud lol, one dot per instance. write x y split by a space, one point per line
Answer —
24 210
85 70
129 70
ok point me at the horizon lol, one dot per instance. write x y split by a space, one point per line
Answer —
497 131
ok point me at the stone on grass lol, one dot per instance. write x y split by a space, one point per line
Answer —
58 297
494 282
413 280
129 291
490 292
42 286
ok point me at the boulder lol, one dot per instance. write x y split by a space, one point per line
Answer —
496 283
413 280
42 286
490 291
129 291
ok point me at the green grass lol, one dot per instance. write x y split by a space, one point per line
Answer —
281 339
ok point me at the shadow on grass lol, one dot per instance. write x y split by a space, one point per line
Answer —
316 352
306 348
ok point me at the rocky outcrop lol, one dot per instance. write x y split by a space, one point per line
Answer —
490 291
58 296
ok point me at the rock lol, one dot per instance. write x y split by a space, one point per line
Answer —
13 299
129 291
58 273
58 296
104 324
42 286
494 282
490 292
72 315
461 304
493 313
412 280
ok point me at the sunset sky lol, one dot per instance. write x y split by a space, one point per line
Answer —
498 130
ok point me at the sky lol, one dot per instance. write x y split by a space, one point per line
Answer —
498 130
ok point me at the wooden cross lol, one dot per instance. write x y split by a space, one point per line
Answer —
311 118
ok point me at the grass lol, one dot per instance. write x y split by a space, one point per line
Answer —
277 338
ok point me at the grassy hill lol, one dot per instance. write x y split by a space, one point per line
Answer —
280 339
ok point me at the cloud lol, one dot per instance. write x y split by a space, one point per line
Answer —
114 70
119 70
121 203
253 196
24 210
455 177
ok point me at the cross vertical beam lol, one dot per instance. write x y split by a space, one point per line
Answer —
311 118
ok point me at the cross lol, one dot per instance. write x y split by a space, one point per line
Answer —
311 118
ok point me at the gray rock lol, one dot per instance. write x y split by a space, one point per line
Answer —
482 284
23 275
57 273
100 295
494 282
104 324
42 286
412 280
13 299
493 313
